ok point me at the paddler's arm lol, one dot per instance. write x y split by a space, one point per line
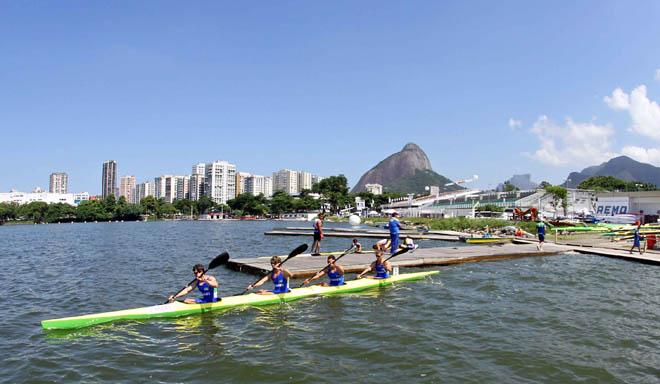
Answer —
185 291
319 274
365 271
388 266
286 273
258 283
340 269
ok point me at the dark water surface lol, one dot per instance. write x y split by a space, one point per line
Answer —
569 318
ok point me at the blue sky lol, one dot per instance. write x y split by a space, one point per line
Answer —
487 88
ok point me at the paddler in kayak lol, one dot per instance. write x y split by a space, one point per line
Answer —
382 268
206 284
279 276
334 271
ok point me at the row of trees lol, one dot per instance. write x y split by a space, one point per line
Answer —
105 209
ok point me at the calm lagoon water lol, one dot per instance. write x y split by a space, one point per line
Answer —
565 318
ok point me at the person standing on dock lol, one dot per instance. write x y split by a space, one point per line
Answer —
318 235
395 227
637 239
540 231
279 276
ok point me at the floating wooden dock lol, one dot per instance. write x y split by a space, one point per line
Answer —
305 265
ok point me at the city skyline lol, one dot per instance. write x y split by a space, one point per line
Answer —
483 88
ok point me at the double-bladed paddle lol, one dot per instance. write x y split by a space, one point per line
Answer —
300 249
221 259
346 252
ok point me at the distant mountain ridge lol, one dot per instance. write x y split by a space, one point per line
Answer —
523 182
407 171
622 167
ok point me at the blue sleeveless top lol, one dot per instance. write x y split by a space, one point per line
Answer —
381 271
335 278
281 285
209 294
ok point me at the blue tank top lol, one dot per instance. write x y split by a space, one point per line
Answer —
281 285
540 228
381 271
209 294
335 278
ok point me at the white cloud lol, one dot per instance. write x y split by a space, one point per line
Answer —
572 143
619 100
644 113
514 124
644 155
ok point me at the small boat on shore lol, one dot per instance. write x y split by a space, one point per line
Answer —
486 240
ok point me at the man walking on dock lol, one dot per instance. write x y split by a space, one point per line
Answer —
318 235
540 231
394 227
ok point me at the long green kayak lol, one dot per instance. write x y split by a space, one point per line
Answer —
176 308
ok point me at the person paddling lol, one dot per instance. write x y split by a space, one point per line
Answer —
206 284
334 271
279 276
357 246
380 267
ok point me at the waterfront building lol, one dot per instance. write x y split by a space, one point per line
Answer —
241 179
375 189
304 181
285 180
109 178
196 186
182 187
256 184
199 169
59 182
220 181
143 190
127 188
20 198
166 188
80 197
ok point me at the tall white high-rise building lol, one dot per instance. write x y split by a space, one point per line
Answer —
285 180
304 180
220 181
182 187
268 186
166 187
256 184
199 169
109 178
143 190
59 182
196 187
127 188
